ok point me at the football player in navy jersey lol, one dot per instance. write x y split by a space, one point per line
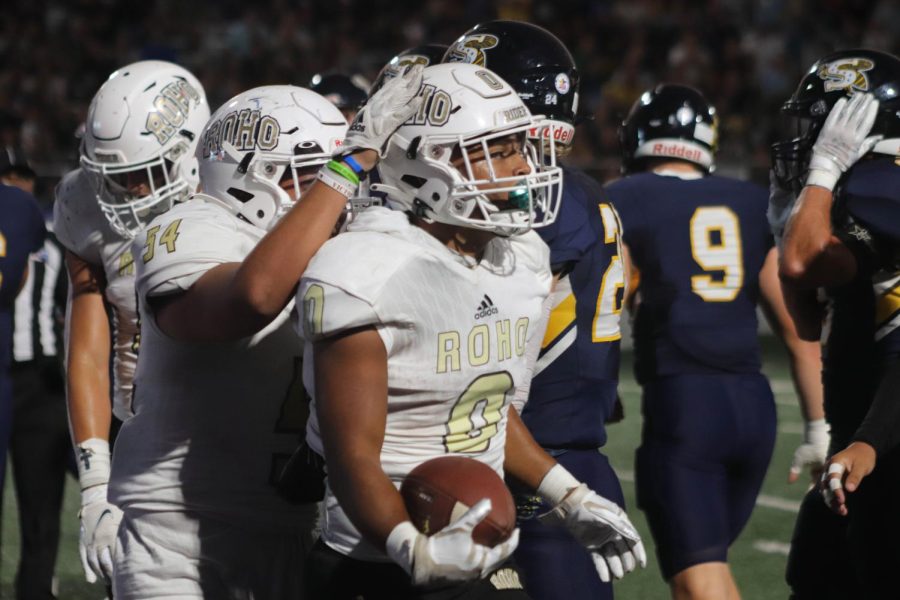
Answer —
704 258
842 236
21 233
573 391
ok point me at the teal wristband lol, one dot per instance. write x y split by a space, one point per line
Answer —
343 170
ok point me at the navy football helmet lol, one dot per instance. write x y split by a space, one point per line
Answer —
670 122
534 62
832 77
346 92
425 55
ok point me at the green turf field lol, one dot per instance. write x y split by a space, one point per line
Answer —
758 557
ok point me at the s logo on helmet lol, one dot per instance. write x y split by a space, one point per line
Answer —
394 69
172 104
846 74
410 60
470 49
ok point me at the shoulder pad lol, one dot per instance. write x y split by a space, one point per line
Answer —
178 247
77 221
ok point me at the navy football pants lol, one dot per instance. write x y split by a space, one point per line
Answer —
706 445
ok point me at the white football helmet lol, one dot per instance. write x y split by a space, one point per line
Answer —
253 139
142 127
466 109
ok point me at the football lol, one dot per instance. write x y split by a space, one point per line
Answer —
439 491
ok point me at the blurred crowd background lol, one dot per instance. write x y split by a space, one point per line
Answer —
745 55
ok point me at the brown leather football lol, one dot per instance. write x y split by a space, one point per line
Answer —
440 490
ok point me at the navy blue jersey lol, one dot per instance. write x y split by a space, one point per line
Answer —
871 198
21 233
698 245
574 388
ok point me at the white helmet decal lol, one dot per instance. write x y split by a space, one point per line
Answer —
251 142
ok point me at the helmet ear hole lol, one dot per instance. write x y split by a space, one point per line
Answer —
413 181
240 195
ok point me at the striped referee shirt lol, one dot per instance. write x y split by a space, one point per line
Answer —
40 306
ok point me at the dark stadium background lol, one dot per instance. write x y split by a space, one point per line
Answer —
746 56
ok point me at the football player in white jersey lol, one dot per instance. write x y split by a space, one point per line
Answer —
218 399
420 320
137 159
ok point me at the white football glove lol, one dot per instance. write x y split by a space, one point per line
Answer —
450 555
813 452
389 108
781 204
600 525
99 528
844 139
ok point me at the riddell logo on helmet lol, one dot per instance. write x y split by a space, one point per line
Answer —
563 135
676 150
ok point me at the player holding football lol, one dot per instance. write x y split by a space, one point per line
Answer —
842 235
574 388
702 246
218 401
421 338
137 160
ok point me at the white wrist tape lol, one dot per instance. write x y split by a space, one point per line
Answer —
815 431
556 484
93 462
401 543
339 184
823 173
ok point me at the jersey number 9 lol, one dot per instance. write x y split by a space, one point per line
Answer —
716 247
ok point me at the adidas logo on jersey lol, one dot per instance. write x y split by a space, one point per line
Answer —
486 308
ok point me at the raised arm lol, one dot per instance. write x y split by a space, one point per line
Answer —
233 300
813 256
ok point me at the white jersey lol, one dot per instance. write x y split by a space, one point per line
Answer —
213 423
455 334
82 229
